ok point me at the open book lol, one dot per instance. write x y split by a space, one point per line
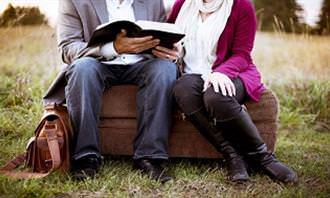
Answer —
167 33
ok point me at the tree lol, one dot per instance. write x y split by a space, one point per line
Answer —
30 16
22 16
324 22
8 16
278 15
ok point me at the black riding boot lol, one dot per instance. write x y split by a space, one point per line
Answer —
236 165
243 131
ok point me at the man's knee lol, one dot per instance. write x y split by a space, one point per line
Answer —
84 66
162 71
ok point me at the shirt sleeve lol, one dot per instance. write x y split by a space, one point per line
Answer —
108 51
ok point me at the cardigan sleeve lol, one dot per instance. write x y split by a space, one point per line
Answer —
175 11
243 42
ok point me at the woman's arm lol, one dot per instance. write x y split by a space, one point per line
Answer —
243 43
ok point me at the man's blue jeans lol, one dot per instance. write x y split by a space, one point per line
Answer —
87 79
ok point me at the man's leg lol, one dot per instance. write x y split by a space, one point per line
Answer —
86 79
155 79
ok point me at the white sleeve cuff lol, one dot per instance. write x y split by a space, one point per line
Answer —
108 51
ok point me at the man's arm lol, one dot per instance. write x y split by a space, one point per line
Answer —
162 12
70 34
73 46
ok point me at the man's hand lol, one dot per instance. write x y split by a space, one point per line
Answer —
171 54
217 79
126 45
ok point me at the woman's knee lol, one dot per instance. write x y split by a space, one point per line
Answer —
187 94
186 86
219 106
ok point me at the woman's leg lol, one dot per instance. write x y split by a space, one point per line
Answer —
233 120
189 96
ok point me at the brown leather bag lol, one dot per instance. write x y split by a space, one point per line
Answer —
49 150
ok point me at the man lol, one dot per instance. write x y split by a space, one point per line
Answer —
92 70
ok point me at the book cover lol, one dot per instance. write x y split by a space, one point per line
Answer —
167 33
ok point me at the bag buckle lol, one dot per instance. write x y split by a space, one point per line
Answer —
48 163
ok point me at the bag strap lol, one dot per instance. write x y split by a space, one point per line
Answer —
14 163
54 148
8 169
53 145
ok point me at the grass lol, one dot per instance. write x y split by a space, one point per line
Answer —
289 57
295 67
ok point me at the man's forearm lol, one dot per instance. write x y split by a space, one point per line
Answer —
78 49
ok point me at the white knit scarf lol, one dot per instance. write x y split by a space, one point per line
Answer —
187 20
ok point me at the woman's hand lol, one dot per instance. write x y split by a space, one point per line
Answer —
217 79
171 54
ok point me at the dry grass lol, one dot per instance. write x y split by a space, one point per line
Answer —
285 58
29 49
282 58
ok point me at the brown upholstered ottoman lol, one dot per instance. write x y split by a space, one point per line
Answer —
118 125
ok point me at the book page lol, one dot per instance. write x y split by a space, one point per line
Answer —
166 27
102 25
110 22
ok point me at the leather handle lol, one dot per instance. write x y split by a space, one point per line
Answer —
53 144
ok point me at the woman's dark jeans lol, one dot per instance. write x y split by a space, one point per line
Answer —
188 93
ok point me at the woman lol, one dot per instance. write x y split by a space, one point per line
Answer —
219 75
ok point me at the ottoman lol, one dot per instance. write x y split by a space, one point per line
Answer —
118 125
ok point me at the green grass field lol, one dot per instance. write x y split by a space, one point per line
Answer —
296 67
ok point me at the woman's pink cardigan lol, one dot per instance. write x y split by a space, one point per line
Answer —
235 46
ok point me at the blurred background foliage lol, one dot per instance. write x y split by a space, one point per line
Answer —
279 15
324 22
14 16
286 16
